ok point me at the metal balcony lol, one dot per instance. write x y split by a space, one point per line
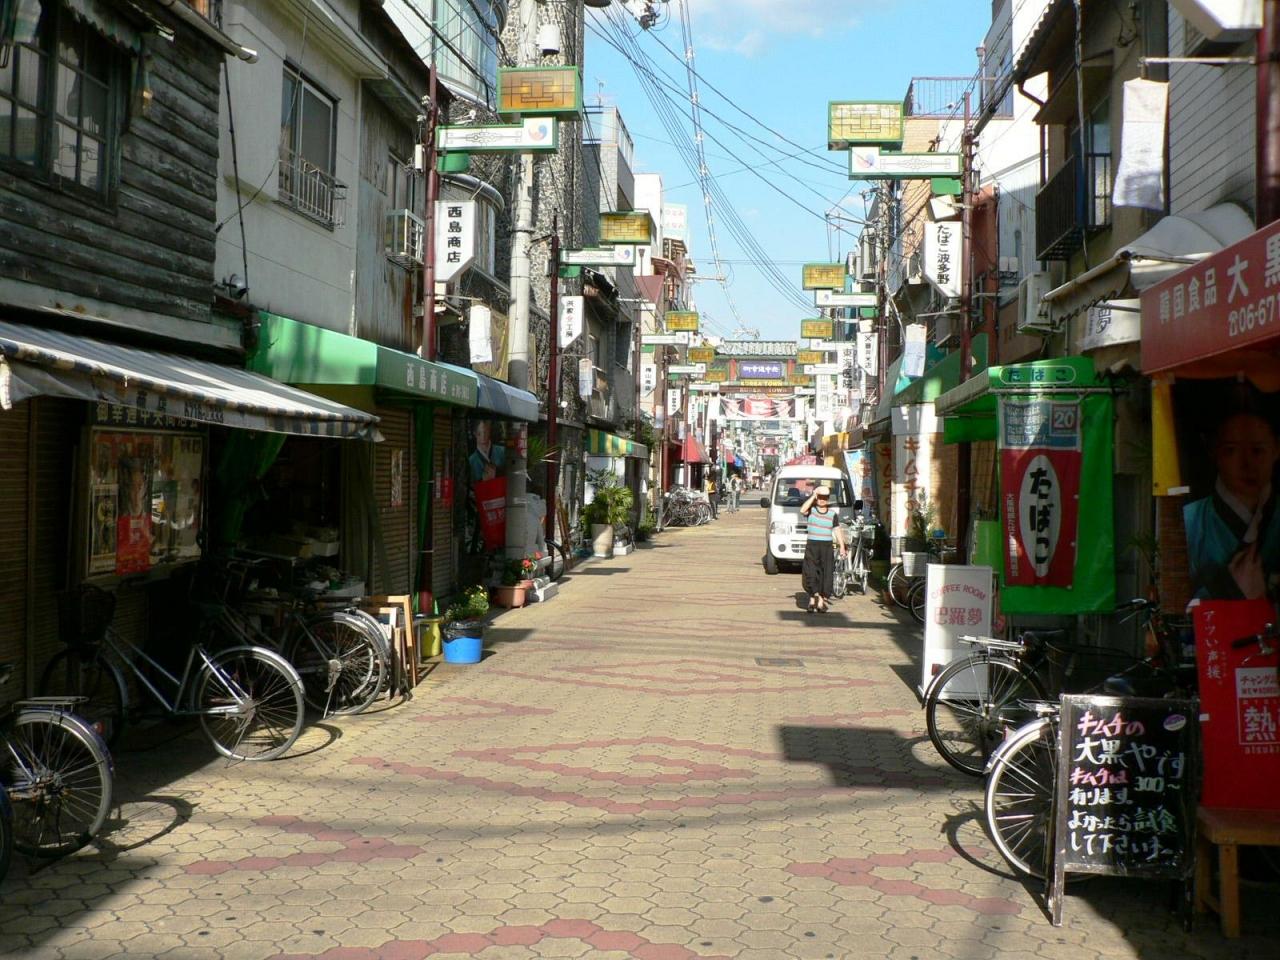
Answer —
937 96
310 191
1075 202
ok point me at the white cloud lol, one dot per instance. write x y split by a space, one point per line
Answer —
747 27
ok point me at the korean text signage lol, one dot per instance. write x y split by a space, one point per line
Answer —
1041 444
1227 301
823 276
757 348
677 321
854 122
1239 706
761 370
957 604
816 329
455 237
1126 800
702 354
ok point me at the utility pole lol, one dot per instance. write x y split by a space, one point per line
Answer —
964 455
553 383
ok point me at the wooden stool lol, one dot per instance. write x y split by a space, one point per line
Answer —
1228 830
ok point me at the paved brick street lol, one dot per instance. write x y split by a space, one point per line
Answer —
670 760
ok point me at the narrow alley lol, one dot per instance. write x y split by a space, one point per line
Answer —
673 760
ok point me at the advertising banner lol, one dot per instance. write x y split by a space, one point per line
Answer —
572 312
942 256
759 408
817 329
648 378
480 333
761 370
1239 706
586 378
957 604
491 506
1053 452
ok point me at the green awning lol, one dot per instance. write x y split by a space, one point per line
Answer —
601 444
969 409
306 355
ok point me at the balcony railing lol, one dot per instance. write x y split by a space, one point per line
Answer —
1076 201
312 192
937 96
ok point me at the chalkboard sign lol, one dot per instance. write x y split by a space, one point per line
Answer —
1126 789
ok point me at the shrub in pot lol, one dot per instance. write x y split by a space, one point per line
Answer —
465 616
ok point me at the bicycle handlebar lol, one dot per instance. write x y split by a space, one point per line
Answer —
1260 639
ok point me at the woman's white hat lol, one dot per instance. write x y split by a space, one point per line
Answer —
823 491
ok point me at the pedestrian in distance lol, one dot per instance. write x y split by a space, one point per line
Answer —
824 538
735 491
713 496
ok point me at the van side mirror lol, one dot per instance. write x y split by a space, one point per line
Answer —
764 502
857 505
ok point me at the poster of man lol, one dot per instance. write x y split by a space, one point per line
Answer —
486 458
486 466
1229 447
133 507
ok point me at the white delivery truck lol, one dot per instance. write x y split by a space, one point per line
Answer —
786 532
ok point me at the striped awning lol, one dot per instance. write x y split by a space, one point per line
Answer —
36 361
601 444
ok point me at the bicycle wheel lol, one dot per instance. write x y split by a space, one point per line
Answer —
917 598
89 674
57 773
898 583
250 703
340 665
1019 796
972 703
559 561
840 579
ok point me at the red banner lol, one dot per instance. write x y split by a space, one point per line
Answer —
1040 461
491 503
1239 706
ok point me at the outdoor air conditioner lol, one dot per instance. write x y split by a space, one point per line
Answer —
404 237
1033 316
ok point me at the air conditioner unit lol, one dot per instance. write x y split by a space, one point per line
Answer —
1033 316
404 237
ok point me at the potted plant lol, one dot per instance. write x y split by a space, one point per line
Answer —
516 582
464 625
606 514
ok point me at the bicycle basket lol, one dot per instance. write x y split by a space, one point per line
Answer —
84 613
915 564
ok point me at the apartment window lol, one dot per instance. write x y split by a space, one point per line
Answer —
307 155
466 50
60 95
1093 153
402 185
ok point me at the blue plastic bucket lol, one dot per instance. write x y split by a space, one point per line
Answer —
463 649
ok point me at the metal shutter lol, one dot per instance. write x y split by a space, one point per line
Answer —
14 436
444 571
397 521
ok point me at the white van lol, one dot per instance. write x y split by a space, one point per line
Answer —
786 534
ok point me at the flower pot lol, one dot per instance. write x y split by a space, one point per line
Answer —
602 539
463 641
509 596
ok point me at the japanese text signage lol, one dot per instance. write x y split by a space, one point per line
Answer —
1227 301
816 329
455 237
539 90
572 312
868 352
702 354
1126 786
760 370
1040 453
677 321
957 604
648 378
942 256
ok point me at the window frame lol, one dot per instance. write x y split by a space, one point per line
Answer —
303 78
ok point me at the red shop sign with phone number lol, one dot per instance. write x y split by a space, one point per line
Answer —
1227 301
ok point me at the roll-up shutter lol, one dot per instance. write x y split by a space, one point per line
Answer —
393 484
14 436
444 572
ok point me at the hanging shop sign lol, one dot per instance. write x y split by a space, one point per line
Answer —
834 298
824 346
687 368
626 226
868 352
1227 301
816 330
913 350
941 256
480 333
823 276
455 237
675 221
702 385
586 378
539 91
872 163
813 369
810 356
572 312
958 603
757 348
681 321
1239 691
1111 322
800 379
716 376
620 256
702 354
761 370
864 122
673 399
533 134
663 339
648 378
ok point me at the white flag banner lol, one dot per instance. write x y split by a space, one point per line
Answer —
571 313
586 378
1140 176
480 322
914 349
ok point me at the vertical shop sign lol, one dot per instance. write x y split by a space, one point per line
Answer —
648 378
571 313
913 350
455 237
957 604
673 400
1040 452
586 378
868 347
479 333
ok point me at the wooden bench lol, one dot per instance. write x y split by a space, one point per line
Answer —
1228 830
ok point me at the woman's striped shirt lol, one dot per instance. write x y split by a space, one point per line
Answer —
821 525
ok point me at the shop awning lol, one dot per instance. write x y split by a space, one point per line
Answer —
300 353
37 361
943 375
506 401
601 444
691 450
1162 251
969 409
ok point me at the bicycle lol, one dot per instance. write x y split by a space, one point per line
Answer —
56 774
907 590
559 561
852 566
248 699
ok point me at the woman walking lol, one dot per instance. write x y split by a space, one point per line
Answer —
819 557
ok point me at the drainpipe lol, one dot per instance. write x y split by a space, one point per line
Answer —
964 455
1268 119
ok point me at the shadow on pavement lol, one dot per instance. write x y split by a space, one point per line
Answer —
861 757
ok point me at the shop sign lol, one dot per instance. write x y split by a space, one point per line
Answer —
572 310
539 91
648 378
455 237
913 428
941 256
816 330
114 413
913 350
813 369
664 339
823 276
626 226
1239 706
761 370
702 354
1040 450
800 379
957 604
833 298
810 356
1112 322
687 368
854 122
868 352
406 373
1227 301
754 408
586 378
675 221
673 399
703 386
681 321
599 257
535 133
757 348
480 333
716 376
872 163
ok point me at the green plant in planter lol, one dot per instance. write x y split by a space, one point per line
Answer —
923 517
471 604
612 505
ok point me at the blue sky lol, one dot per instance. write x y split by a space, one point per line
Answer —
781 61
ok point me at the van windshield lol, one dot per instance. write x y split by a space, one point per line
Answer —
794 491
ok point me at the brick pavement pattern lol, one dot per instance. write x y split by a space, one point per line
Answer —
669 761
